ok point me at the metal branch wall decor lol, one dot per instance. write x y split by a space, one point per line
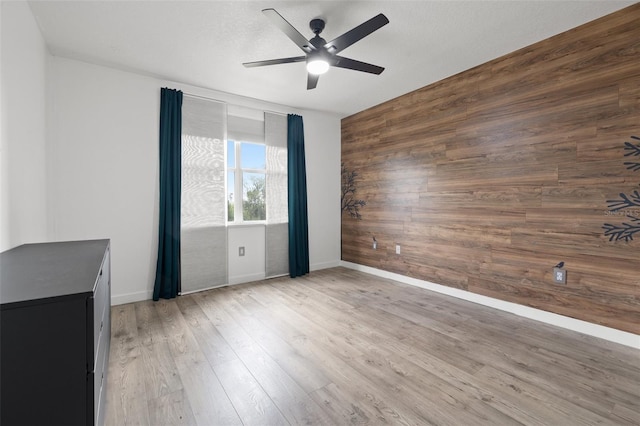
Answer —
349 202
628 205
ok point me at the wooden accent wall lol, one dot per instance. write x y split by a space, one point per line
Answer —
489 178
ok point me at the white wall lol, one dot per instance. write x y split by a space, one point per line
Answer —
322 155
23 196
104 155
104 168
251 266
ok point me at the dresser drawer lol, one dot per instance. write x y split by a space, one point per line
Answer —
101 302
103 340
100 377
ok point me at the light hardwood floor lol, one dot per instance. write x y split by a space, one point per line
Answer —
342 347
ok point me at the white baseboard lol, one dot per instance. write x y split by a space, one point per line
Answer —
596 330
121 299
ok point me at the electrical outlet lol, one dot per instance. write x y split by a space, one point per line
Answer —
397 248
559 275
240 251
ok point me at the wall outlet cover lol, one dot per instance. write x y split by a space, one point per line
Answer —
559 275
240 251
397 248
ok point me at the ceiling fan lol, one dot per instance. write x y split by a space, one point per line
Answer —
320 55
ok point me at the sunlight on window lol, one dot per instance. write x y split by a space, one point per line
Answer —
253 156
230 201
246 175
253 197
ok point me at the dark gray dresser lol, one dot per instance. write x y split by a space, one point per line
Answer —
55 329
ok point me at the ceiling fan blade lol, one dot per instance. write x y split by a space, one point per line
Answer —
312 81
358 33
275 61
352 64
289 30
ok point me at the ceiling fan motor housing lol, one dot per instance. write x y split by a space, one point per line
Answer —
316 25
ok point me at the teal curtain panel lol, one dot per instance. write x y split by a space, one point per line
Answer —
167 283
297 186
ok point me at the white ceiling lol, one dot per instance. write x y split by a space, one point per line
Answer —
204 43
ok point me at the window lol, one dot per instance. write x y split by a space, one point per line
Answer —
234 171
246 175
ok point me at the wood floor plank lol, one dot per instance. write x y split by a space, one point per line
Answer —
624 415
159 370
126 393
208 400
339 346
177 330
149 325
172 409
594 382
297 366
123 322
212 344
341 408
380 326
334 356
535 402
292 401
481 320
388 371
253 405
124 333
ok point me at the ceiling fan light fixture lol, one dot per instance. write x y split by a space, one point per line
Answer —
317 66
318 54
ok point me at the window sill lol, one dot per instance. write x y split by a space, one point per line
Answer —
247 224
